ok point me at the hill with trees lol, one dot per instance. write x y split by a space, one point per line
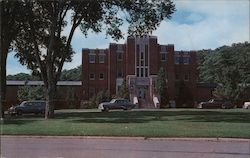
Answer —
229 66
74 74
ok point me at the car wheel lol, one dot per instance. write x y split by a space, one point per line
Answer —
19 112
223 107
106 109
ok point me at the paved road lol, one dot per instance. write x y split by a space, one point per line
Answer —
75 147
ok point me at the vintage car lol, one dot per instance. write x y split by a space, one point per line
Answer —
25 107
116 104
246 105
215 103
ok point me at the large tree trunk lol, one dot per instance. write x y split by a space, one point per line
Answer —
50 102
3 58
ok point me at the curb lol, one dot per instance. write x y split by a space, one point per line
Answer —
131 138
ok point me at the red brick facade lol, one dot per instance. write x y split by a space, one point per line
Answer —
138 61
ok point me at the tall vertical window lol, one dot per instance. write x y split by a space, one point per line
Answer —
142 73
146 55
186 60
142 60
137 72
163 57
137 55
146 72
101 58
101 76
177 60
91 76
91 58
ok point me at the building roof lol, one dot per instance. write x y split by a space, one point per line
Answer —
37 83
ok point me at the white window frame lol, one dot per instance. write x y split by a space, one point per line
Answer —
92 61
102 76
103 56
90 78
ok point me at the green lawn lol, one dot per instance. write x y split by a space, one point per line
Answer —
148 123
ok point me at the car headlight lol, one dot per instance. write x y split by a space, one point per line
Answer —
100 106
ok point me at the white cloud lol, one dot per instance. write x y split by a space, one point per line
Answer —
224 23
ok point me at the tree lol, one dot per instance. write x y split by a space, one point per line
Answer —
228 66
48 49
74 74
30 93
23 77
161 86
12 17
123 91
71 97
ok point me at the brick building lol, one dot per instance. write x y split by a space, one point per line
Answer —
138 61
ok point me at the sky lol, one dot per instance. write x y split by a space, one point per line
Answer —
196 25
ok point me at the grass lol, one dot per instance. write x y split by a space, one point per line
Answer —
147 123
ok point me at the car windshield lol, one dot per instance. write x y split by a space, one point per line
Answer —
113 100
211 100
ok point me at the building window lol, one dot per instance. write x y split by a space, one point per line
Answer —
101 58
137 54
119 74
186 60
91 76
142 57
163 49
101 76
142 73
163 57
91 58
142 62
146 72
119 56
177 60
186 77
146 55
137 72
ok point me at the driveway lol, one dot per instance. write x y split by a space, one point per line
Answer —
94 147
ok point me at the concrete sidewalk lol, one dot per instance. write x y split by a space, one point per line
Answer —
134 138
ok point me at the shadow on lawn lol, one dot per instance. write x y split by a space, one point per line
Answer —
147 116
17 122
21 120
140 116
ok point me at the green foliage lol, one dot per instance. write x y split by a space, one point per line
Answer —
74 74
30 93
23 77
230 67
161 86
71 97
123 91
102 96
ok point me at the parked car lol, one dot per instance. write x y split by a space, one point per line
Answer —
25 107
216 103
116 104
246 105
